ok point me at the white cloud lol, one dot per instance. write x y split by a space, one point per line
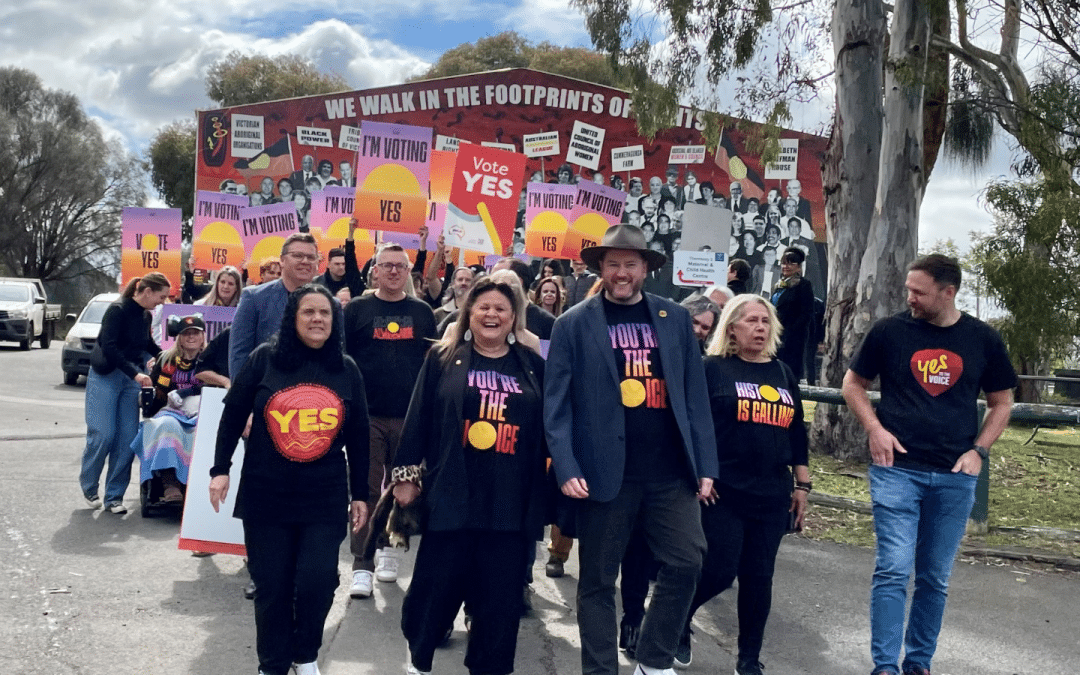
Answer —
552 20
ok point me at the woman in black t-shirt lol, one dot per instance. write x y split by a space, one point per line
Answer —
308 412
475 424
761 440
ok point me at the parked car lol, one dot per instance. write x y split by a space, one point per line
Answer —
25 314
82 336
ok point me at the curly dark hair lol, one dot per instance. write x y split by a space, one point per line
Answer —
287 350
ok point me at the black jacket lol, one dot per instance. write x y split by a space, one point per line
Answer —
433 431
124 342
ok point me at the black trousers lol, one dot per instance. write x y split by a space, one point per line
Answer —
294 567
481 569
671 523
743 546
638 569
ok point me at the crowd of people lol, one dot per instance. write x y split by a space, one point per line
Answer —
487 404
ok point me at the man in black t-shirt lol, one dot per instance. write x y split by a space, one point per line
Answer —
927 450
631 439
388 334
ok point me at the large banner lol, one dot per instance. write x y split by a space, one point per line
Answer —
151 243
309 143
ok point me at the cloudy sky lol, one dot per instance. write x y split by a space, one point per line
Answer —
139 64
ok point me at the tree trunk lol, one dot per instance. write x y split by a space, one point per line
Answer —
849 176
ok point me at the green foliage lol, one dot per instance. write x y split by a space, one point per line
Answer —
172 165
239 79
774 54
62 185
1029 263
511 50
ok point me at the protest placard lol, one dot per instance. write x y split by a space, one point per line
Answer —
630 158
509 147
686 154
392 176
484 199
586 142
699 268
545 144
349 138
786 165
217 319
264 230
442 177
447 143
314 136
247 138
202 528
331 211
596 208
150 242
547 217
216 230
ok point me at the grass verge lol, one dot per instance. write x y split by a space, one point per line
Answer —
1032 484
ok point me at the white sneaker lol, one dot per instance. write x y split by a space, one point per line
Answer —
413 670
93 502
386 565
361 584
117 507
306 668
646 670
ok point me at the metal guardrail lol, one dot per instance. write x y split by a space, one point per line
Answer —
1039 413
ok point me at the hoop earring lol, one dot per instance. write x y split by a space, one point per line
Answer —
468 335
511 338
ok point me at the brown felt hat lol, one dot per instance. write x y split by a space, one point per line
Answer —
625 238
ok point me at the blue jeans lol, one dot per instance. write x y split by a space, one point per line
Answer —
919 520
112 420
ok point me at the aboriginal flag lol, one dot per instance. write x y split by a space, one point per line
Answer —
275 161
727 158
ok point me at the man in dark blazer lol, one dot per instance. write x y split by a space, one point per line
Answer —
628 424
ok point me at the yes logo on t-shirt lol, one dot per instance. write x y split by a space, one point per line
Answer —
304 420
936 370
393 328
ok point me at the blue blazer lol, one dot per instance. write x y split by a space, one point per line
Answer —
583 412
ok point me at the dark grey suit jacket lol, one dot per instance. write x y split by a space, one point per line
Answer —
583 412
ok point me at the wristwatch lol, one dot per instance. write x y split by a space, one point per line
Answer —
984 452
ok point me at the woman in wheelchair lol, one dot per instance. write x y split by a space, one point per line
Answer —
167 437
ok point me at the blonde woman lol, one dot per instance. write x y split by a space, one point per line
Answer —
761 442
226 289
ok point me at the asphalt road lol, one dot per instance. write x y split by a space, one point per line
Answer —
91 593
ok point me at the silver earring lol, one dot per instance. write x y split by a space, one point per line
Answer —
468 335
511 338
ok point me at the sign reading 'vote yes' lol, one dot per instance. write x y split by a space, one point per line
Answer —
484 198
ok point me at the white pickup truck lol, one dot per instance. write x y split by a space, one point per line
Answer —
25 315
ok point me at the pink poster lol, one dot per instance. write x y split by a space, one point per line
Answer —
393 167
596 208
265 228
216 232
151 243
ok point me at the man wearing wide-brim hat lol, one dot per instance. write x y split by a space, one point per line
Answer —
629 428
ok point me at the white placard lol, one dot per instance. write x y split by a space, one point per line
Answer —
586 141
349 138
699 268
686 154
447 143
787 163
541 145
314 136
630 158
502 146
202 529
247 138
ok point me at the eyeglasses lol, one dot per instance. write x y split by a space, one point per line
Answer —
305 257
393 267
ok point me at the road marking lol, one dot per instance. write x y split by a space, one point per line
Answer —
41 437
74 405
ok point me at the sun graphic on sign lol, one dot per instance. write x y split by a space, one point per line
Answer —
149 242
392 178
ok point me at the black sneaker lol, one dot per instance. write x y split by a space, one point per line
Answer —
249 590
754 667
629 633
554 568
915 670
683 651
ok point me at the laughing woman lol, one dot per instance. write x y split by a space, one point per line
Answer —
475 423
309 413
